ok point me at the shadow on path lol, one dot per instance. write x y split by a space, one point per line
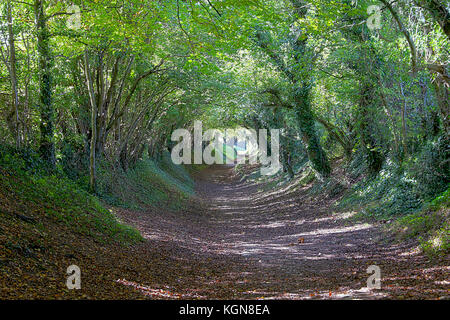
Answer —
236 241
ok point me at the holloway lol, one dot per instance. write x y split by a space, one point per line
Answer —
196 310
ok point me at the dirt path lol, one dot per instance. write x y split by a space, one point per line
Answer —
241 242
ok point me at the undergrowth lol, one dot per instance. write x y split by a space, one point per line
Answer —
412 194
431 226
28 190
390 193
148 183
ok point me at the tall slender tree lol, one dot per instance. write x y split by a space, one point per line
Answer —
13 72
46 110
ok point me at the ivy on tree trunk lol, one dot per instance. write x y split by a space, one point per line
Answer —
47 146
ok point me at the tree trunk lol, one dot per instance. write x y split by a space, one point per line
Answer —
338 135
443 99
367 92
287 163
123 158
302 88
92 153
47 146
369 143
404 134
13 73
440 86
307 126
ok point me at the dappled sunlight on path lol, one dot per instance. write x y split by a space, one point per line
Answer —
242 242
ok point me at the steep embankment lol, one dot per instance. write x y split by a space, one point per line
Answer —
47 223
